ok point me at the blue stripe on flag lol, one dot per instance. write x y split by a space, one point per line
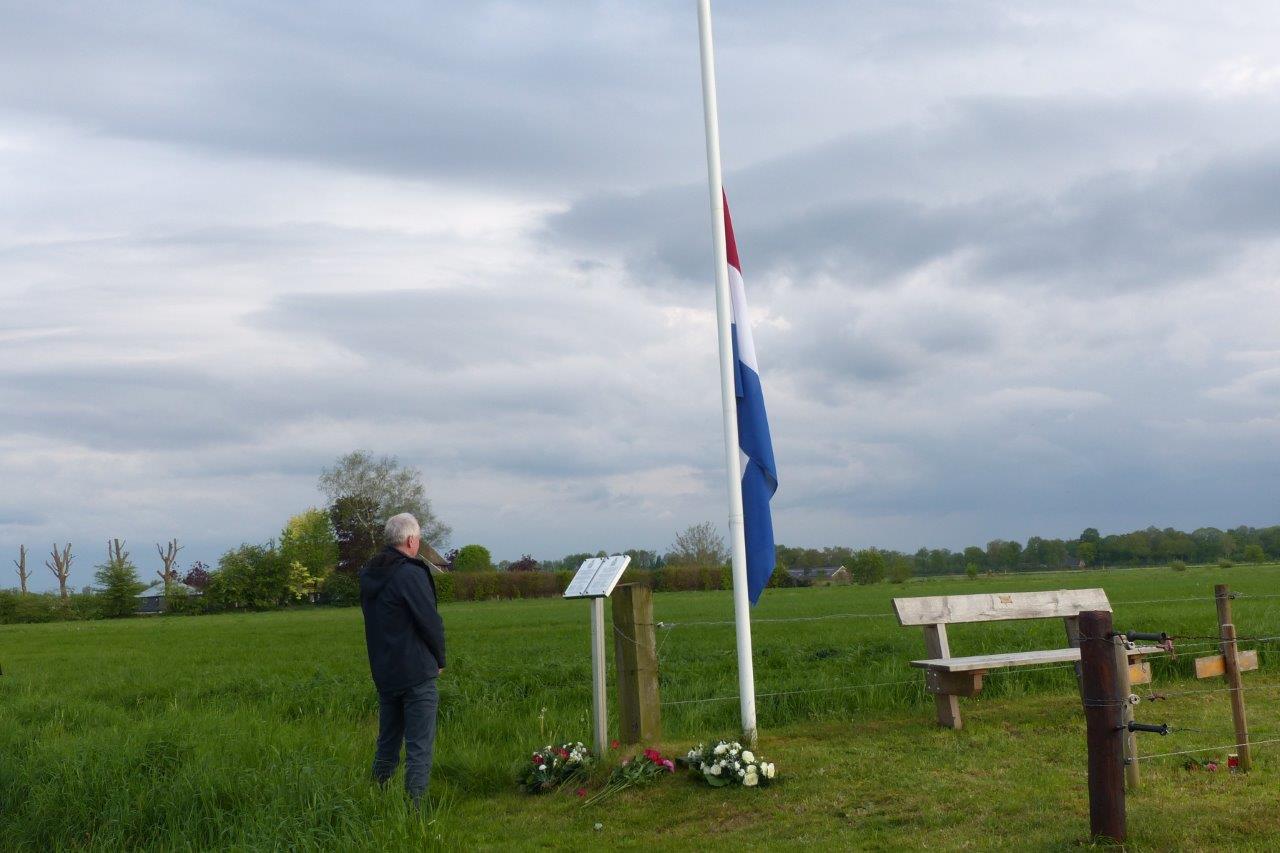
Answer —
759 477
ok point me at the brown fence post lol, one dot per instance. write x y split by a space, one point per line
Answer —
1231 665
1104 731
635 650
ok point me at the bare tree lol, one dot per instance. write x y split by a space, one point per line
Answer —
21 563
698 545
168 556
59 563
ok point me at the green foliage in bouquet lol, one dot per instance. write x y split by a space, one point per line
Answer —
552 767
633 772
727 763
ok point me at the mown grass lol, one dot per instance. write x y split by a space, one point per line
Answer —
254 731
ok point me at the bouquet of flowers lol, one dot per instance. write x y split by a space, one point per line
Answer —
727 763
555 766
639 770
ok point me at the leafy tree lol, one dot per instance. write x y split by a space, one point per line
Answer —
1088 553
1253 553
525 564
971 571
363 493
699 545
252 576
975 555
307 539
341 589
302 583
473 558
868 566
119 583
642 559
900 569
197 576
356 539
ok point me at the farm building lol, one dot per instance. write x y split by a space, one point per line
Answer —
151 599
819 575
433 559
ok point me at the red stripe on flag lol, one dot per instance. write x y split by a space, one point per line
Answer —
730 245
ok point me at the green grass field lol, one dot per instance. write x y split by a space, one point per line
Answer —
255 731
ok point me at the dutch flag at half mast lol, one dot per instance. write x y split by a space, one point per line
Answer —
755 448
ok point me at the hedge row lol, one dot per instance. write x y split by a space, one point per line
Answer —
484 586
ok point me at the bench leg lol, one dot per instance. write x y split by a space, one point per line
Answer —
948 710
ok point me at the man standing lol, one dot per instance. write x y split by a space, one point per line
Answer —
405 638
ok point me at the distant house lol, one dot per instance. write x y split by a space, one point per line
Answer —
439 565
819 575
151 599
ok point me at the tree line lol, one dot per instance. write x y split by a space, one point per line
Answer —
318 554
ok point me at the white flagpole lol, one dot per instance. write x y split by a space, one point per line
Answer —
728 397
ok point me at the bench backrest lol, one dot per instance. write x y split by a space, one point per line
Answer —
995 607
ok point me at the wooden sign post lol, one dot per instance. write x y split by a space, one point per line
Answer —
635 650
1229 665
595 580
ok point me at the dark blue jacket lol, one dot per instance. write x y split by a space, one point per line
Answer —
402 629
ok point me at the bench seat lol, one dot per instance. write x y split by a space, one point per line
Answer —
982 663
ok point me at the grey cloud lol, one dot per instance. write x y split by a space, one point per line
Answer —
1111 231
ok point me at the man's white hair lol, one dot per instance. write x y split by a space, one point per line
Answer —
401 527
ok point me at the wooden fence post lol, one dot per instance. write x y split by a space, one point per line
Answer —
1123 688
1104 731
1231 661
635 650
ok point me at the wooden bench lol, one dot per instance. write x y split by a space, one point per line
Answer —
949 678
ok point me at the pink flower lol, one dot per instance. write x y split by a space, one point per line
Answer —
582 792
537 759
667 763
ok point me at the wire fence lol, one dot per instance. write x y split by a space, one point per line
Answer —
667 627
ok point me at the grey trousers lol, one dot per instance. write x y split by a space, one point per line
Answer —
407 715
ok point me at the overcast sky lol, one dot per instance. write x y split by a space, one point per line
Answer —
1012 267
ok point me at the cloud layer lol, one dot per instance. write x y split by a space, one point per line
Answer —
1012 271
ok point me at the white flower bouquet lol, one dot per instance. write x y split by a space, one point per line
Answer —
727 763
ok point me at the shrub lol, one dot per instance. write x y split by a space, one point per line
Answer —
1254 553
341 589
899 570
1225 563
179 603
971 571
868 566
779 577
444 588
1178 566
